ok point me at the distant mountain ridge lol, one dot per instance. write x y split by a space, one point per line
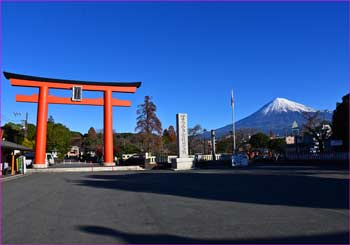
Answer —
277 116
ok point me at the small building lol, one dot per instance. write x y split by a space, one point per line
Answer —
74 152
295 128
290 140
8 149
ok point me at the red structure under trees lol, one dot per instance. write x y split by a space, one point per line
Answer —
44 99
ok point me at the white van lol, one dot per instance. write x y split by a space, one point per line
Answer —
49 160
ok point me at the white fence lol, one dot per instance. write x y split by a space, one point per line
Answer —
208 157
337 156
197 157
163 158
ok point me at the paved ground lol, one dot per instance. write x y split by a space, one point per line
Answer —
262 204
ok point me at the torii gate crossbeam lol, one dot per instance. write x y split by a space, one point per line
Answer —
43 99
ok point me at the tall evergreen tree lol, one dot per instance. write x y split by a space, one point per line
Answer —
58 138
169 140
340 122
194 139
31 131
51 120
172 134
13 132
90 142
148 124
259 140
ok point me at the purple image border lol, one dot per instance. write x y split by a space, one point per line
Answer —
1 94
174 1
148 1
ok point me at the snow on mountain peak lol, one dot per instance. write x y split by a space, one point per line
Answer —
284 105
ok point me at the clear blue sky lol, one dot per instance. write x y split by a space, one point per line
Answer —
187 55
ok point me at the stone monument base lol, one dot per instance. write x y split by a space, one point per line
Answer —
182 163
150 166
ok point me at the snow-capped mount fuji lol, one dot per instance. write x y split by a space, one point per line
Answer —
277 116
284 105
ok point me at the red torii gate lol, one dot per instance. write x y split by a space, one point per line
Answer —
43 99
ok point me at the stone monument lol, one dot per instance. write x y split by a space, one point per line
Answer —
182 161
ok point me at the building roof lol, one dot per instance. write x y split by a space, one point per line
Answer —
295 124
9 75
13 146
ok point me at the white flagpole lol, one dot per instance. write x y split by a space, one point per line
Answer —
233 124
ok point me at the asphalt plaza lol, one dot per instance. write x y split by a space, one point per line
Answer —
259 204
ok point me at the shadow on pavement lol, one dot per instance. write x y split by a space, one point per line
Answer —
132 238
258 188
278 166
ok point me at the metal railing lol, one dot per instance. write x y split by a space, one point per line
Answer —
164 158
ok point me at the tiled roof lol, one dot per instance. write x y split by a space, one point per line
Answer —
10 145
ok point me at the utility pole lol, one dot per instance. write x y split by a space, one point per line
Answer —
233 124
212 133
26 126
204 130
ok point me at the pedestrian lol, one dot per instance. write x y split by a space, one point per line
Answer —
5 168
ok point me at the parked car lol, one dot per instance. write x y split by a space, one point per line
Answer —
240 159
29 159
134 160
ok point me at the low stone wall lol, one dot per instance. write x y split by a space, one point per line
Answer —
85 169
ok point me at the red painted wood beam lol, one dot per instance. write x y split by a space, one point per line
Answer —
28 83
51 99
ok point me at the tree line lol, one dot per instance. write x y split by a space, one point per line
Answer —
151 137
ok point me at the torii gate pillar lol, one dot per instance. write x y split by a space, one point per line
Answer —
41 122
108 129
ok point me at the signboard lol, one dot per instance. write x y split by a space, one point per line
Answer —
77 92
290 140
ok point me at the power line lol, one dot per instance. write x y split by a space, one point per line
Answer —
10 119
